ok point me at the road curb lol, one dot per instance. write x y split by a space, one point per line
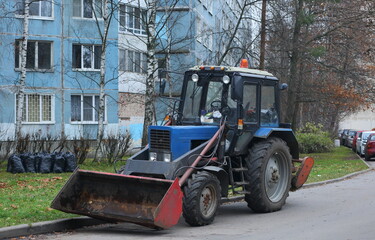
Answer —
80 222
48 227
370 168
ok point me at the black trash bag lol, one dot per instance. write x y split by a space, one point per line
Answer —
38 160
9 165
59 163
16 165
70 162
29 163
45 163
24 157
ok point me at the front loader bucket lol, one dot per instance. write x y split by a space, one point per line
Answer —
151 202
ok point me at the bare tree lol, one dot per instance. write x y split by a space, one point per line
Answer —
316 48
22 81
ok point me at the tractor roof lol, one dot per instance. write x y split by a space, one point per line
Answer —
233 69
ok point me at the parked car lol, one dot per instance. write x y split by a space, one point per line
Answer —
349 140
344 136
361 142
370 147
354 144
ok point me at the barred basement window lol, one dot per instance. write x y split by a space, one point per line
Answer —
37 108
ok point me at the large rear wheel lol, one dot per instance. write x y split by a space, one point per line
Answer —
201 198
269 163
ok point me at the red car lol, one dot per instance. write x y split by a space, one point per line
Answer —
370 147
354 144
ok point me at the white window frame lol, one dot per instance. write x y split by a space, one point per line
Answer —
36 56
26 108
82 13
126 29
124 55
21 2
93 109
82 68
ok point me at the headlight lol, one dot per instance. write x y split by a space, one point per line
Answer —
167 157
153 156
226 79
195 77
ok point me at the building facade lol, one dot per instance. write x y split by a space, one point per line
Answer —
63 69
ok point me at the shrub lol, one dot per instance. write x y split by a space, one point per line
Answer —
312 139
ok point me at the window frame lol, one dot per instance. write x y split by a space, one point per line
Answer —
124 60
92 108
20 15
17 48
93 57
82 11
41 104
125 16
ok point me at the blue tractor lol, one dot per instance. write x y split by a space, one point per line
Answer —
224 141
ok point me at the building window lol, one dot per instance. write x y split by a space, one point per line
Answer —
38 56
132 61
88 8
162 68
132 19
37 108
86 57
85 108
41 8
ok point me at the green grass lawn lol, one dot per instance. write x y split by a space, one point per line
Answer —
342 161
26 198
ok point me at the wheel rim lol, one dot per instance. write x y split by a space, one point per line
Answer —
208 201
276 178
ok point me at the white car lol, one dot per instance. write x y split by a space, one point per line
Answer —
361 142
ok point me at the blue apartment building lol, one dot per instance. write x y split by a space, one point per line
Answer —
63 69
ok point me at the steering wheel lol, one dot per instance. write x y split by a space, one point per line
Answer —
216 105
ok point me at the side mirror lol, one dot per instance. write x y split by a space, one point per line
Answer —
283 86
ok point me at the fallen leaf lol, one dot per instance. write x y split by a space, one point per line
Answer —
14 206
49 209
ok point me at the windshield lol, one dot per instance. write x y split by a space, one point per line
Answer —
192 100
203 98
365 135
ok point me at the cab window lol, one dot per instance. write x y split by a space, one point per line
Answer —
268 113
250 103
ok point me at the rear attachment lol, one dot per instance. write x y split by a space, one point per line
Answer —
302 172
155 203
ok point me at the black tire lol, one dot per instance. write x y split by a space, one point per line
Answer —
270 165
201 198
367 157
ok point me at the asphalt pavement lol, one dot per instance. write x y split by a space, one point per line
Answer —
80 222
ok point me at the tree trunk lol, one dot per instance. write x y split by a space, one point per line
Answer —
151 72
294 61
263 36
22 80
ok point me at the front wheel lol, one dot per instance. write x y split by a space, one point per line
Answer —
201 198
269 163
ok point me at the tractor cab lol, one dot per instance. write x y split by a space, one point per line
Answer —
245 97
